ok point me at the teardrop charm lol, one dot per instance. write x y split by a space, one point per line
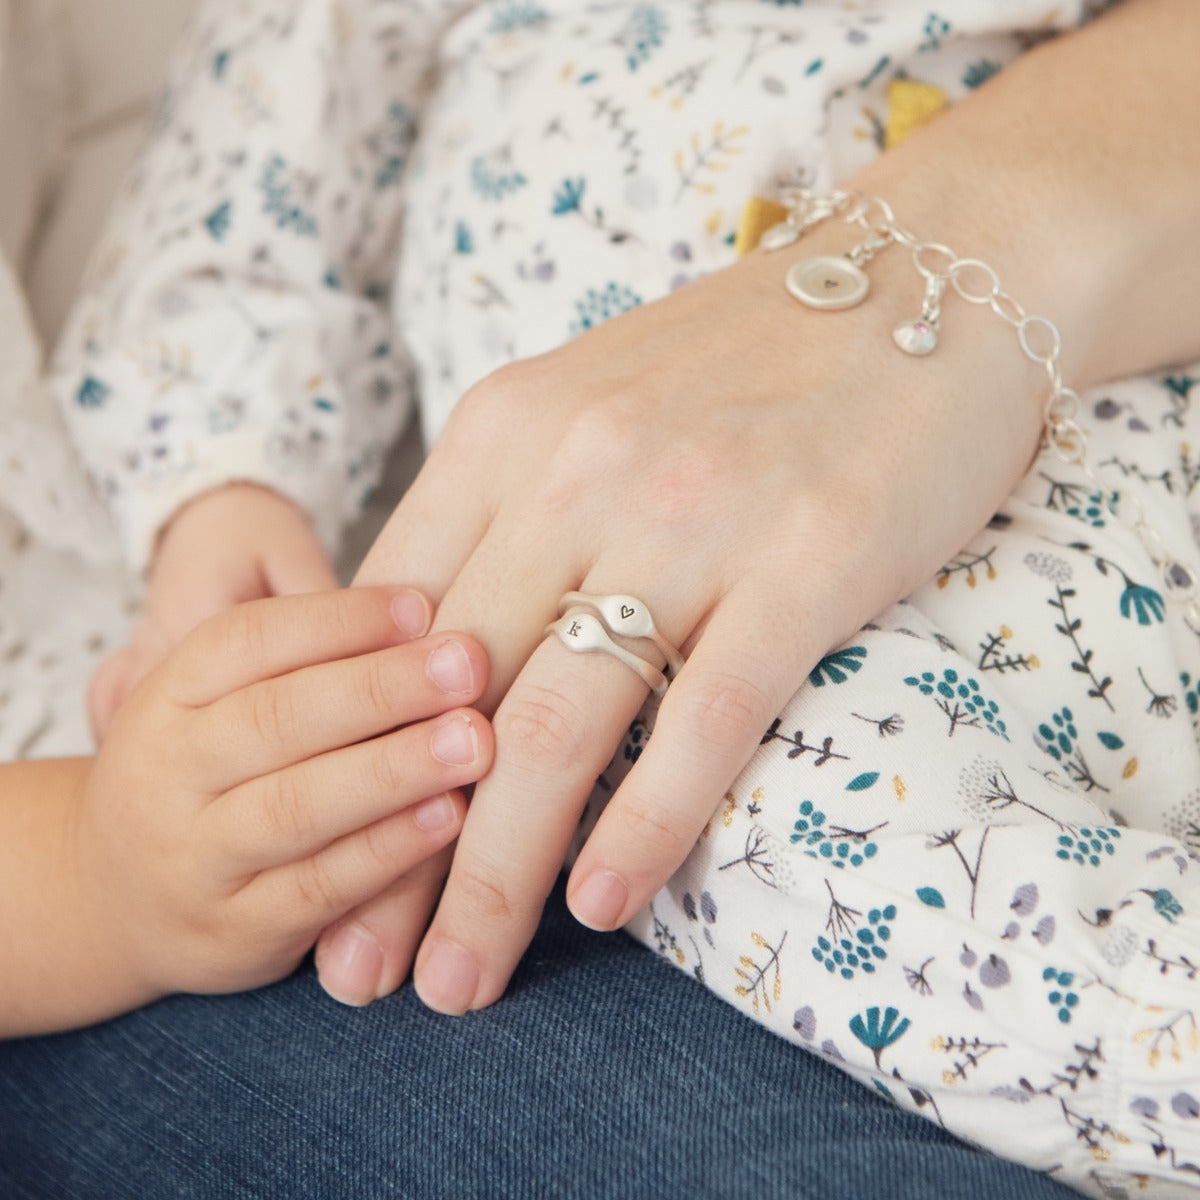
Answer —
917 338
778 236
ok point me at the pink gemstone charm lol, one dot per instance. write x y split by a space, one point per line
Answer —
917 337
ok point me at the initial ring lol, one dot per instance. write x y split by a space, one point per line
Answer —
628 617
582 631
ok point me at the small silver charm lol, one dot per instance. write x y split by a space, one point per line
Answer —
919 337
778 236
915 337
828 281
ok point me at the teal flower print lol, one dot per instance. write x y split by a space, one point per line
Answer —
521 14
92 393
878 1033
642 35
279 187
1142 602
492 178
961 699
394 143
863 951
838 666
840 848
568 197
1058 996
979 72
1087 845
219 221
1058 736
1166 905
1094 509
599 305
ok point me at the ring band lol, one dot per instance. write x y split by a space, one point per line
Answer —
583 631
628 617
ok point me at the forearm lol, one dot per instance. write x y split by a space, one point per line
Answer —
55 954
1075 172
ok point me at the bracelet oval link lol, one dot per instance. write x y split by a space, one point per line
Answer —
1039 339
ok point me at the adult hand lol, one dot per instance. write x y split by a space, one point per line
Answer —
286 762
765 478
235 543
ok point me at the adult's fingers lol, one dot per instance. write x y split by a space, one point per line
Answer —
741 672
446 511
271 724
292 813
369 953
265 638
555 731
112 681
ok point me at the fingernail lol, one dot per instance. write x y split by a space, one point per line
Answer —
450 668
448 980
437 813
350 965
411 613
600 900
454 742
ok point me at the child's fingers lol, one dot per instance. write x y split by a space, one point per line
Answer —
316 891
265 638
271 724
293 813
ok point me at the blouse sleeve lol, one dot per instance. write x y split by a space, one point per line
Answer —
234 324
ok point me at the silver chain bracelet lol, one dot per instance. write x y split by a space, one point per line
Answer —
837 281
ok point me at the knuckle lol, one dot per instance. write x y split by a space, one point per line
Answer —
727 712
287 811
542 729
376 690
493 406
388 768
595 439
272 715
245 630
483 892
316 891
646 828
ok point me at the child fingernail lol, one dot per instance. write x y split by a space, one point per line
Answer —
436 814
454 742
448 980
450 668
411 613
600 900
350 965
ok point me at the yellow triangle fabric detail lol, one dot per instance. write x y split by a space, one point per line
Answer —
911 104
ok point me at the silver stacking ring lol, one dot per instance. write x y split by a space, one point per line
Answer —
628 617
589 623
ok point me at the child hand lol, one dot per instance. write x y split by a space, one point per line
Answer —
268 777
236 543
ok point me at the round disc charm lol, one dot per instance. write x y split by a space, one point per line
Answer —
829 281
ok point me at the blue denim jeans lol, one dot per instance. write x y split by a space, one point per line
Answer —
603 1073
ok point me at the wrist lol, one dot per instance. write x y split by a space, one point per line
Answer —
1062 174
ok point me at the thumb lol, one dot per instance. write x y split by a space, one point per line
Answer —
112 681
302 566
